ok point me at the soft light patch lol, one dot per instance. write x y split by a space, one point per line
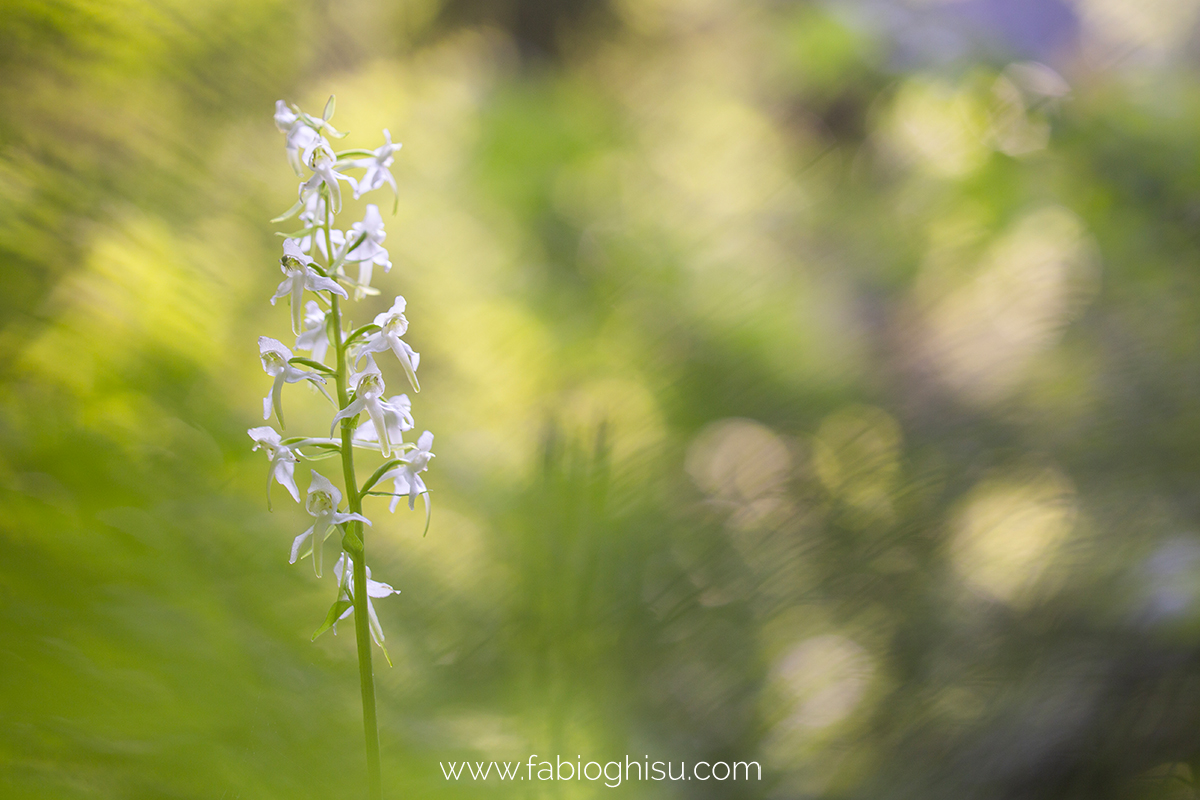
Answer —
824 678
1156 25
1008 531
981 336
939 127
738 460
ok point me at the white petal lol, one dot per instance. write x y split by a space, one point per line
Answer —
297 543
379 589
283 289
276 396
317 283
284 474
264 435
379 420
284 118
321 530
350 411
402 350
291 248
376 628
268 345
295 375
297 310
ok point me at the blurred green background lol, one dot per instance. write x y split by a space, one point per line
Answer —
815 384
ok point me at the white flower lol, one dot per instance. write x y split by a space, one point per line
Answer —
407 477
392 325
397 415
368 389
344 571
275 357
282 463
299 135
371 228
300 276
285 118
322 502
377 173
313 215
321 160
370 250
336 238
321 124
313 211
314 338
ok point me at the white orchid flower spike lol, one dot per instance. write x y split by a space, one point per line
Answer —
319 258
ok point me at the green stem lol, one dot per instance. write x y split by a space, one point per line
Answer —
362 632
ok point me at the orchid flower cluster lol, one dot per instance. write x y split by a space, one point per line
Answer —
322 265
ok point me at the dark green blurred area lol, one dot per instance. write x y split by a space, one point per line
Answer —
814 384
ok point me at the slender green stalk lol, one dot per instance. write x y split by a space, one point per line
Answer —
362 632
